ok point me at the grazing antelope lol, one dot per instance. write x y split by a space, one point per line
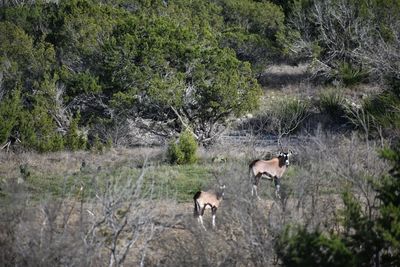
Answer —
207 199
273 169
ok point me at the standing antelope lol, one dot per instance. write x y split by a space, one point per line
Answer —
273 169
207 199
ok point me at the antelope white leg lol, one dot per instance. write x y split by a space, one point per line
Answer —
277 194
213 221
255 190
201 222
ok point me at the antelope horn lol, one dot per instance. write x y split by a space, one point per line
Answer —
216 178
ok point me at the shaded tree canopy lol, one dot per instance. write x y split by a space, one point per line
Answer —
162 66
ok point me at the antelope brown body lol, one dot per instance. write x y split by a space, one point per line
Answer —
273 169
207 199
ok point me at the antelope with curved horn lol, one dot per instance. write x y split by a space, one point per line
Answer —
273 169
207 199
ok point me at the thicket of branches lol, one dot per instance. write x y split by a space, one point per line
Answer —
99 229
349 41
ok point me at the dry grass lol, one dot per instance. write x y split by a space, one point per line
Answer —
278 76
71 162
285 81
324 166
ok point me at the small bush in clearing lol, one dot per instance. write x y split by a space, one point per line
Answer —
184 151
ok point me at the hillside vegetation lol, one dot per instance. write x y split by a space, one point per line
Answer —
114 113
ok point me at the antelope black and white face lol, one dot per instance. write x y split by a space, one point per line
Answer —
285 157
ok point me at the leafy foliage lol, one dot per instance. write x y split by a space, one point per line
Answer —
10 110
164 66
252 29
184 151
388 224
177 76
312 249
161 63
384 108
174 154
74 140
366 240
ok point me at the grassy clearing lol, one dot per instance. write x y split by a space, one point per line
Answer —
178 182
317 167
161 180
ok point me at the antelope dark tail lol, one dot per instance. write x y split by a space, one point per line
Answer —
251 165
196 210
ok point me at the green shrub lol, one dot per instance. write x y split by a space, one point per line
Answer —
188 146
331 102
350 75
288 114
174 154
284 116
364 240
39 131
384 108
97 145
109 144
27 130
10 111
303 248
184 151
74 140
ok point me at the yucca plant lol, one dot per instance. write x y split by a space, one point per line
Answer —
332 102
